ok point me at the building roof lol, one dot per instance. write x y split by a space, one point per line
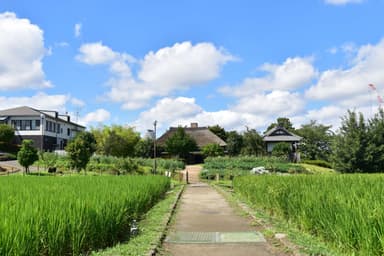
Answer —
202 136
28 111
280 134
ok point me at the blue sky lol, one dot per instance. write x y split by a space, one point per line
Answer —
233 63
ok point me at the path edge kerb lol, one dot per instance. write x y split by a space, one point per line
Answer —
155 248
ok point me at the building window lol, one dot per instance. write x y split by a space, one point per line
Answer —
69 132
37 124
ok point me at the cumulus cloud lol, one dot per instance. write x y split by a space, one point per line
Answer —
292 74
159 73
39 101
77 29
342 2
182 111
98 116
21 50
349 87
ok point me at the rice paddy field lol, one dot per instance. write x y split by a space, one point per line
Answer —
72 215
344 210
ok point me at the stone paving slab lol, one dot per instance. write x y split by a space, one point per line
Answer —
215 237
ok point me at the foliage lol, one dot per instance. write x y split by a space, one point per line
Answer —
48 159
72 215
219 131
252 143
7 133
81 149
144 148
282 122
212 150
234 143
116 140
281 149
375 147
351 144
345 210
180 144
316 142
27 154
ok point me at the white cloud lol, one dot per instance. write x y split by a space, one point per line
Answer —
182 111
98 116
342 2
77 29
292 74
349 87
96 53
39 101
275 103
21 50
159 73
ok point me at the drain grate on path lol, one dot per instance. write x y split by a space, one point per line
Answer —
215 237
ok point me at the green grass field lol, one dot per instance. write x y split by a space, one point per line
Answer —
72 215
344 210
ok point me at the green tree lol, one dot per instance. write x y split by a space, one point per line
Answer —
282 122
6 133
116 140
219 131
375 147
316 142
80 150
252 143
351 144
144 148
180 144
212 150
27 154
234 143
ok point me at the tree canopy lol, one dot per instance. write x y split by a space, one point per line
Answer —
252 143
180 144
116 140
219 131
80 150
27 154
6 133
316 142
282 122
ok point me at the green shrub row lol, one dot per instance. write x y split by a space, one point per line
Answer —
320 163
235 166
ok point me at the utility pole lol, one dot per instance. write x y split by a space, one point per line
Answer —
154 148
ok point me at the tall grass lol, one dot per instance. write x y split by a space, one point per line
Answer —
71 215
345 210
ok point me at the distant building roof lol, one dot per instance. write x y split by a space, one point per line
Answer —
280 134
28 111
202 135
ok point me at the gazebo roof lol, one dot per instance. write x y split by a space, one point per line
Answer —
280 134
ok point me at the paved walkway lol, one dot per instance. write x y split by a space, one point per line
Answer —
203 212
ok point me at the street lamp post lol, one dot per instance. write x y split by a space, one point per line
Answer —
154 148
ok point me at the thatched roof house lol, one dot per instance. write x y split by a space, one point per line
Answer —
202 136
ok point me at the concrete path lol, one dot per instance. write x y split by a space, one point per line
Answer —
202 211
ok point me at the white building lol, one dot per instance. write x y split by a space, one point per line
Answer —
48 129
